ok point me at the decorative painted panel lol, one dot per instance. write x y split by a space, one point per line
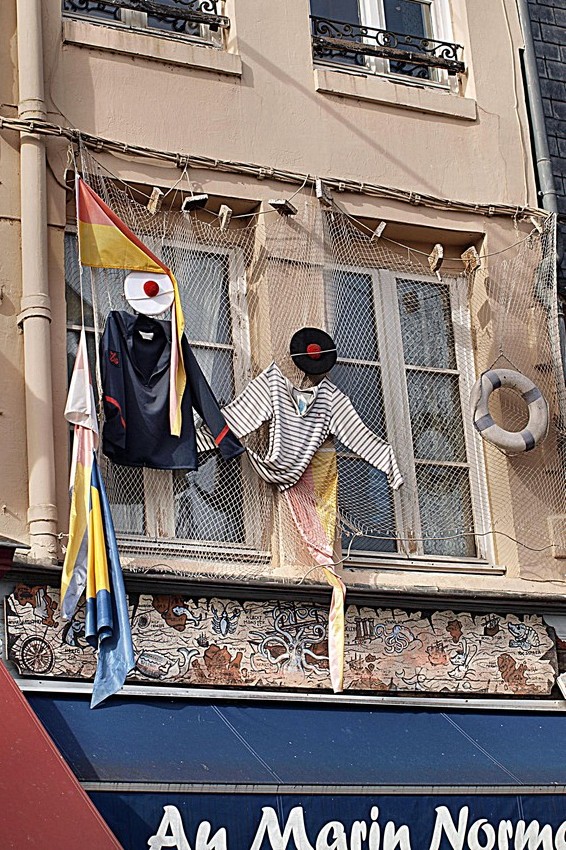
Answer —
271 644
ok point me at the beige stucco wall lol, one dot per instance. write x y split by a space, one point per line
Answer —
260 101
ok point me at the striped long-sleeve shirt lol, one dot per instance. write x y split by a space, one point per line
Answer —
294 437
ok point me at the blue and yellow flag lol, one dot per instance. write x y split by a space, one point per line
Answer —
92 562
107 625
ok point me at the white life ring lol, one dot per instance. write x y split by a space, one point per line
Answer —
510 442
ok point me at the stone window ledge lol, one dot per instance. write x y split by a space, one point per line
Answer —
152 46
404 96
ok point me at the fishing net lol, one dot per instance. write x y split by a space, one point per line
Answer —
410 346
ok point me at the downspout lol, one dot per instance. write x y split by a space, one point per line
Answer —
549 198
35 316
536 111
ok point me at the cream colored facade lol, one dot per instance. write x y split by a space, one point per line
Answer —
253 96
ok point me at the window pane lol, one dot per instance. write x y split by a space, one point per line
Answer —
203 288
93 9
446 510
426 326
365 504
208 503
339 10
436 416
124 486
73 285
216 365
408 17
362 385
354 331
161 22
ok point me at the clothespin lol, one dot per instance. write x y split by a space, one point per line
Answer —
435 259
471 260
155 200
224 216
322 193
378 231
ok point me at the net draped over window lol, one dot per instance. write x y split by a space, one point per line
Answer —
409 348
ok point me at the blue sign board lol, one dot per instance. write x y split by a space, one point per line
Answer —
192 821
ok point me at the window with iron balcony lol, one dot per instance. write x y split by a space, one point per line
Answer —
406 39
195 18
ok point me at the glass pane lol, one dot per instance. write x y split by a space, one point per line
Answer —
216 365
365 504
408 17
446 511
426 325
73 285
339 10
93 9
162 22
208 503
362 385
203 287
354 328
124 487
436 416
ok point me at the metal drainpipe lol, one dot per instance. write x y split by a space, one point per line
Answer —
35 315
542 153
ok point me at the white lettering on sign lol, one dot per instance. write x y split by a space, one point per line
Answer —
455 833
295 828
170 832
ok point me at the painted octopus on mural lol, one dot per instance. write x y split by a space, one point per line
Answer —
181 640
448 652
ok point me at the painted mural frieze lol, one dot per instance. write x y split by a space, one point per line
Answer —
271 644
445 651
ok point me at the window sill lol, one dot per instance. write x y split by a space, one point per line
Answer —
392 93
157 48
422 563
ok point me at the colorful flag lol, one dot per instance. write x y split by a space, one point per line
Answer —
91 561
313 502
80 410
107 625
106 242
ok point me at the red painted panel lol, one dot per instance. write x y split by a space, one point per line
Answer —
43 804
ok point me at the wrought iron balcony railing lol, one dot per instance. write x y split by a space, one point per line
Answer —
409 54
175 14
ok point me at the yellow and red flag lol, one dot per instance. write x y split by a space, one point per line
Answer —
105 242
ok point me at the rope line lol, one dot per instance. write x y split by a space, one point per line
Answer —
181 160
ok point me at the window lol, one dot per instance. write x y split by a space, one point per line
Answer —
199 19
375 35
405 360
408 372
204 508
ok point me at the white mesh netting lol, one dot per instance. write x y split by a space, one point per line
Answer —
410 346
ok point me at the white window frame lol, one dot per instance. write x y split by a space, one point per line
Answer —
136 21
159 511
372 14
399 432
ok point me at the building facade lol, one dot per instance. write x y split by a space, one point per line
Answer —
363 168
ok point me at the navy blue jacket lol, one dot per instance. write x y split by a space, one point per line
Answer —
135 353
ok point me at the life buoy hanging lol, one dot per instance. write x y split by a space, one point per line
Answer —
510 442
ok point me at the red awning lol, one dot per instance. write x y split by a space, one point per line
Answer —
43 804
